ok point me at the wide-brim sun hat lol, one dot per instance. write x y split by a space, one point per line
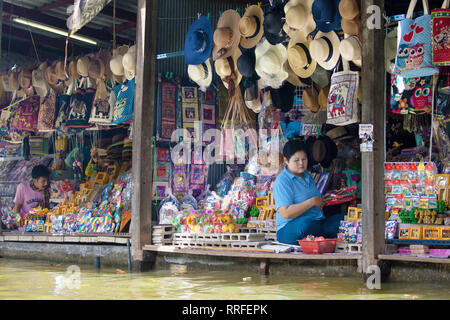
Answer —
273 24
283 98
129 63
331 151
270 61
348 9
60 72
251 26
246 66
299 20
351 27
325 49
350 49
310 99
300 59
320 77
226 37
25 80
326 15
339 133
201 74
293 78
83 66
252 99
225 66
323 98
198 42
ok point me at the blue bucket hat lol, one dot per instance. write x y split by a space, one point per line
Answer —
198 43
326 15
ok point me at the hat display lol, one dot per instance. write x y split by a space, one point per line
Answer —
300 59
251 26
317 149
116 63
283 98
390 43
129 63
198 43
326 14
310 99
348 9
273 24
60 72
323 97
106 56
325 49
321 77
246 66
201 74
270 60
97 73
72 72
83 66
293 78
25 80
226 69
226 36
350 27
350 49
339 133
299 20
331 151
252 99
13 79
38 78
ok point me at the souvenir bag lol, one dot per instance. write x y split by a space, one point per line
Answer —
411 95
62 103
179 179
26 114
81 102
441 32
342 106
414 50
123 109
102 110
47 113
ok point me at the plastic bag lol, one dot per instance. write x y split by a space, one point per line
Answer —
189 202
168 208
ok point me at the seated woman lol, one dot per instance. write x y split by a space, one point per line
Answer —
298 201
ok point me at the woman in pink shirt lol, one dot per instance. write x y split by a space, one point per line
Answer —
34 193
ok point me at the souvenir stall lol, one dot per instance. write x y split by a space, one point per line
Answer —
75 118
417 135
271 72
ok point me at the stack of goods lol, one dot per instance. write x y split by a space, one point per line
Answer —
127 150
350 230
114 152
10 221
35 220
200 221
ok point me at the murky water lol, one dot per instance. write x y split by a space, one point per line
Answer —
23 279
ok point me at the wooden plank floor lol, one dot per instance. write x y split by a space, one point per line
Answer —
412 258
251 254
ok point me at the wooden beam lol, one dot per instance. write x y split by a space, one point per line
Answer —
120 13
54 5
122 27
143 123
373 110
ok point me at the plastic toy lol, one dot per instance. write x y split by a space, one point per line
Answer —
77 170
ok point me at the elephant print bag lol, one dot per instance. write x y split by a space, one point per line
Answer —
342 106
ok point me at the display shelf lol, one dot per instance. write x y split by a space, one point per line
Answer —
425 242
409 258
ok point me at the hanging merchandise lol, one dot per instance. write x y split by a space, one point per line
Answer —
251 26
179 179
414 51
198 43
351 50
283 98
390 44
343 98
326 14
246 66
47 113
325 49
273 24
26 114
116 64
300 59
411 95
123 109
440 32
62 105
81 102
201 74
252 98
299 19
270 60
228 72
226 36
38 79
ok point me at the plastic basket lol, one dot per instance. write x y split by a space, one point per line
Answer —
318 247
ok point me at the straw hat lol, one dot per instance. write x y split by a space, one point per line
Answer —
72 72
129 63
321 77
300 59
83 66
97 73
323 97
13 80
292 77
310 99
325 49
226 36
348 9
350 49
106 56
225 67
339 133
326 14
52 78
299 19
198 43
251 26
116 64
252 99
350 27
25 80
273 24
38 78
270 60
60 72
390 43
201 74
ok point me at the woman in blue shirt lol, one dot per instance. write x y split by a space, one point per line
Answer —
298 201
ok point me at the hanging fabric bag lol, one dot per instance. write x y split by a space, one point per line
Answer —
414 50
26 114
123 109
441 33
81 102
47 113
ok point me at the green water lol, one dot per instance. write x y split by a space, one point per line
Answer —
23 279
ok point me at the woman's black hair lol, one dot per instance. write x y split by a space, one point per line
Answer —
293 146
40 171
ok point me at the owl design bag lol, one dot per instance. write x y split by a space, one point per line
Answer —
414 50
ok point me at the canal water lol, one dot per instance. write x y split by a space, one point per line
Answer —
23 279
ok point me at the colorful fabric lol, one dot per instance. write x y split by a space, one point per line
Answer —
342 107
26 114
47 113
80 108
123 109
441 36
411 95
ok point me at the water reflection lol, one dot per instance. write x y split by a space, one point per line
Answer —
20 279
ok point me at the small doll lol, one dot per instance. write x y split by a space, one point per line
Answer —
77 169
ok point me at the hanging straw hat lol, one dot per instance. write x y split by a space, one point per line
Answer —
25 80
13 80
323 97
72 72
97 73
129 63
273 24
116 64
60 72
198 43
310 99
52 78
339 133
251 26
350 27
325 49
39 82
226 69
252 99
300 59
299 20
226 36
83 66
292 77
390 43
326 14
270 60
201 74
348 9
351 50
106 56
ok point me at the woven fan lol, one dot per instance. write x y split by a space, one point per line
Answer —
237 112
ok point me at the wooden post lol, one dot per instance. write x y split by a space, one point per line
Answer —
373 110
144 106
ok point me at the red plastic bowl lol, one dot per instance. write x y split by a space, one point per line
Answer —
318 247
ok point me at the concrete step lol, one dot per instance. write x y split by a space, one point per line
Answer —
242 237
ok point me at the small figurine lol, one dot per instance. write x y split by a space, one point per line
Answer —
94 159
58 164
77 169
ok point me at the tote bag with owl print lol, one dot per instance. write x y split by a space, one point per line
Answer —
414 50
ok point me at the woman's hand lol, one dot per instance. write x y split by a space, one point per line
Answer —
318 202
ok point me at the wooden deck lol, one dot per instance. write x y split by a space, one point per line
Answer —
412 258
116 238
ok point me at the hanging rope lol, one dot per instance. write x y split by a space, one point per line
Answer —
114 24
